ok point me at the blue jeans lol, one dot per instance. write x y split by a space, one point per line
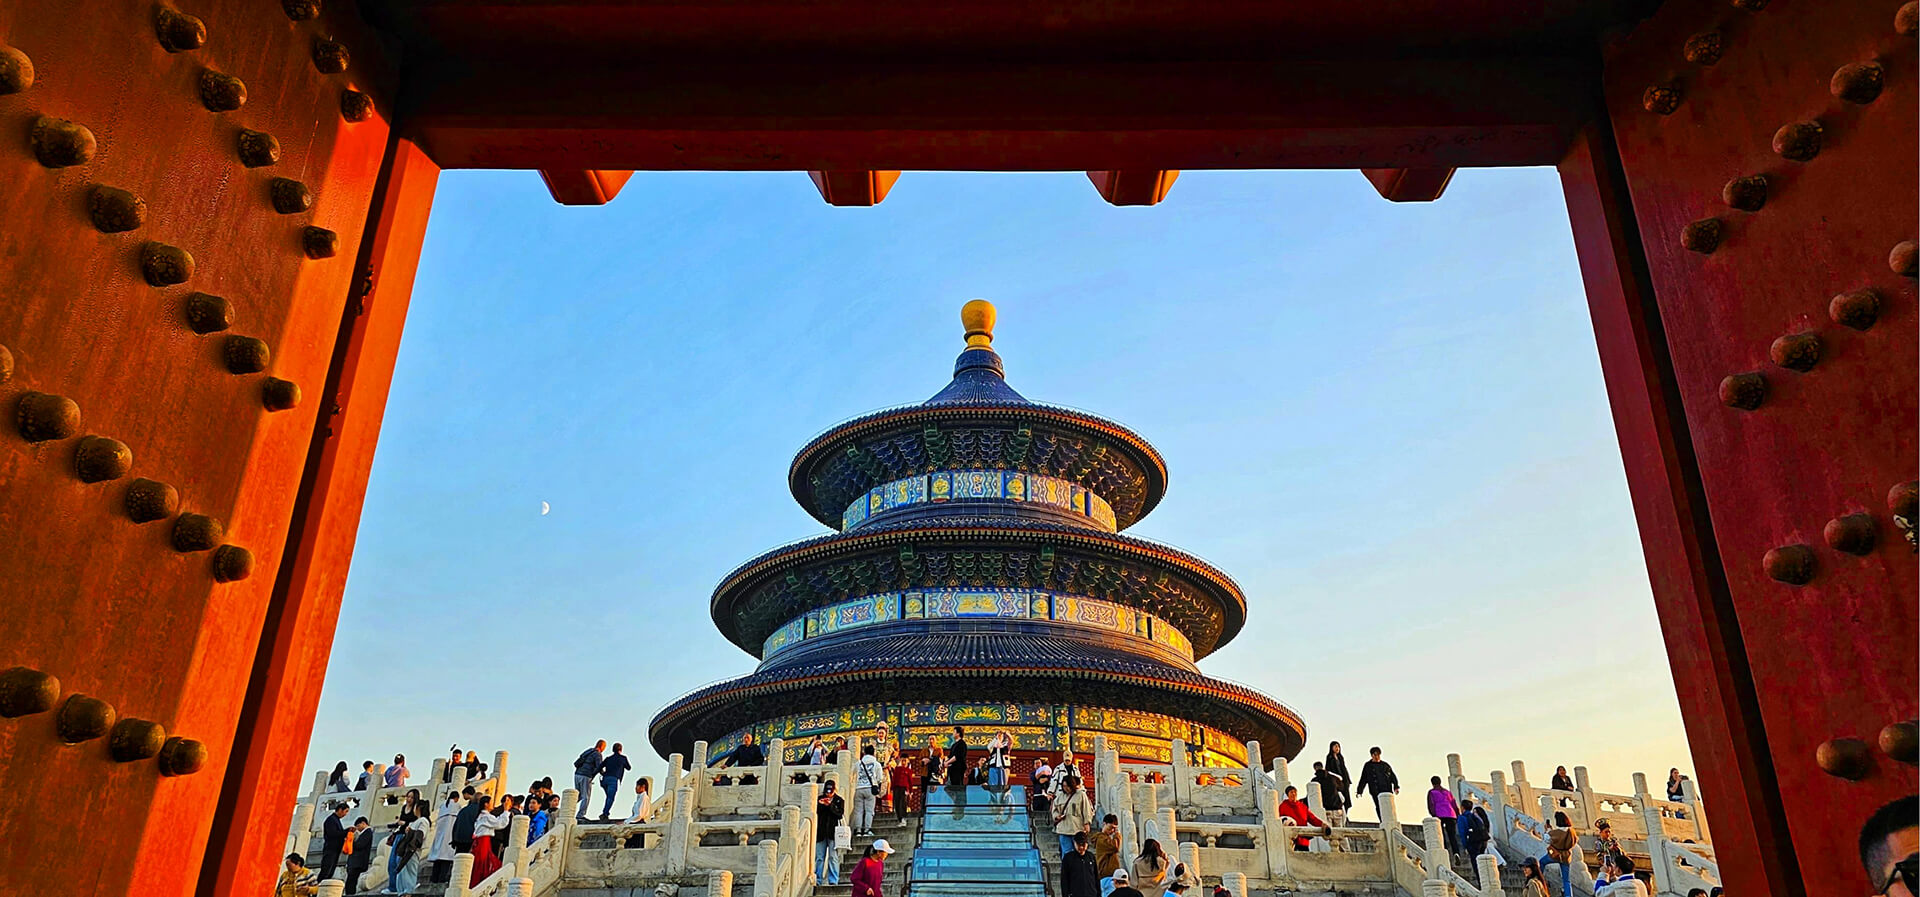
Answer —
825 870
1066 844
1566 875
611 785
584 785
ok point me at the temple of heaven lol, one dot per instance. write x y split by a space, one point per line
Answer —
978 577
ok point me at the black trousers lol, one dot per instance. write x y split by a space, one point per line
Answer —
353 879
442 872
329 860
1451 833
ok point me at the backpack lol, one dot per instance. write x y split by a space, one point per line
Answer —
410 842
586 764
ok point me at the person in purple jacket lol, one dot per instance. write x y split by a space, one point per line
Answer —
1441 806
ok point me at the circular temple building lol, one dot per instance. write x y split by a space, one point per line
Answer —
979 578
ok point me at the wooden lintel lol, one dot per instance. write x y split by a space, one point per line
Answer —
854 188
1409 184
584 188
1133 187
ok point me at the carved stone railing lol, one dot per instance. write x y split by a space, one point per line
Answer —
697 831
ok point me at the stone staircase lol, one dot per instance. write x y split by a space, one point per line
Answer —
901 835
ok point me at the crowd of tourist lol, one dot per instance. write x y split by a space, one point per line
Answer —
886 781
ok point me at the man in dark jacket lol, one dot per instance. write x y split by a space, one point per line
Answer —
1377 777
748 753
1122 887
333 838
463 823
362 855
1078 875
1336 804
612 770
957 759
585 767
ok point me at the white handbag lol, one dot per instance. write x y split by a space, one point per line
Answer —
842 838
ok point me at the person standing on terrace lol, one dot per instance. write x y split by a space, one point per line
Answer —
1377 777
901 780
827 813
1330 792
1442 806
396 775
612 770
585 767
1337 765
1302 815
957 759
747 754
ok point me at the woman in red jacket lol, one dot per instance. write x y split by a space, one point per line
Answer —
872 870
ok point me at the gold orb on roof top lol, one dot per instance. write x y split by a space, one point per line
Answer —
978 317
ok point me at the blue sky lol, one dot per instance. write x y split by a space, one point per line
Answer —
1386 421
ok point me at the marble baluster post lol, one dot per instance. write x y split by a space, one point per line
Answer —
1438 860
766 865
1190 857
1589 809
1455 775
302 836
517 855
1696 811
1656 835
1235 882
1523 790
680 830
1274 833
719 883
776 772
702 778
1254 783
1497 828
461 884
1489 875
1182 775
569 806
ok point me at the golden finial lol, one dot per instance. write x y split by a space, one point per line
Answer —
977 316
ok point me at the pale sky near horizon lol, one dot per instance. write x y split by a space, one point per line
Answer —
1386 422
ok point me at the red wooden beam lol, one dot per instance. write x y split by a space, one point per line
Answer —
853 188
1704 648
1409 184
1412 113
276 720
1133 187
573 187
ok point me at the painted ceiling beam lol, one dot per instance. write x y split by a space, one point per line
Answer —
1409 184
853 188
562 114
1133 187
573 187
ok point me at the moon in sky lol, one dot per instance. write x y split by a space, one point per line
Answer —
544 508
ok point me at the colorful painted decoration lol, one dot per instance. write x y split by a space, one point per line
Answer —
977 485
935 604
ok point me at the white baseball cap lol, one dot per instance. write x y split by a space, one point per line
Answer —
880 845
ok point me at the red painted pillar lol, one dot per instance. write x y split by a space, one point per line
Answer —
283 693
1762 184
